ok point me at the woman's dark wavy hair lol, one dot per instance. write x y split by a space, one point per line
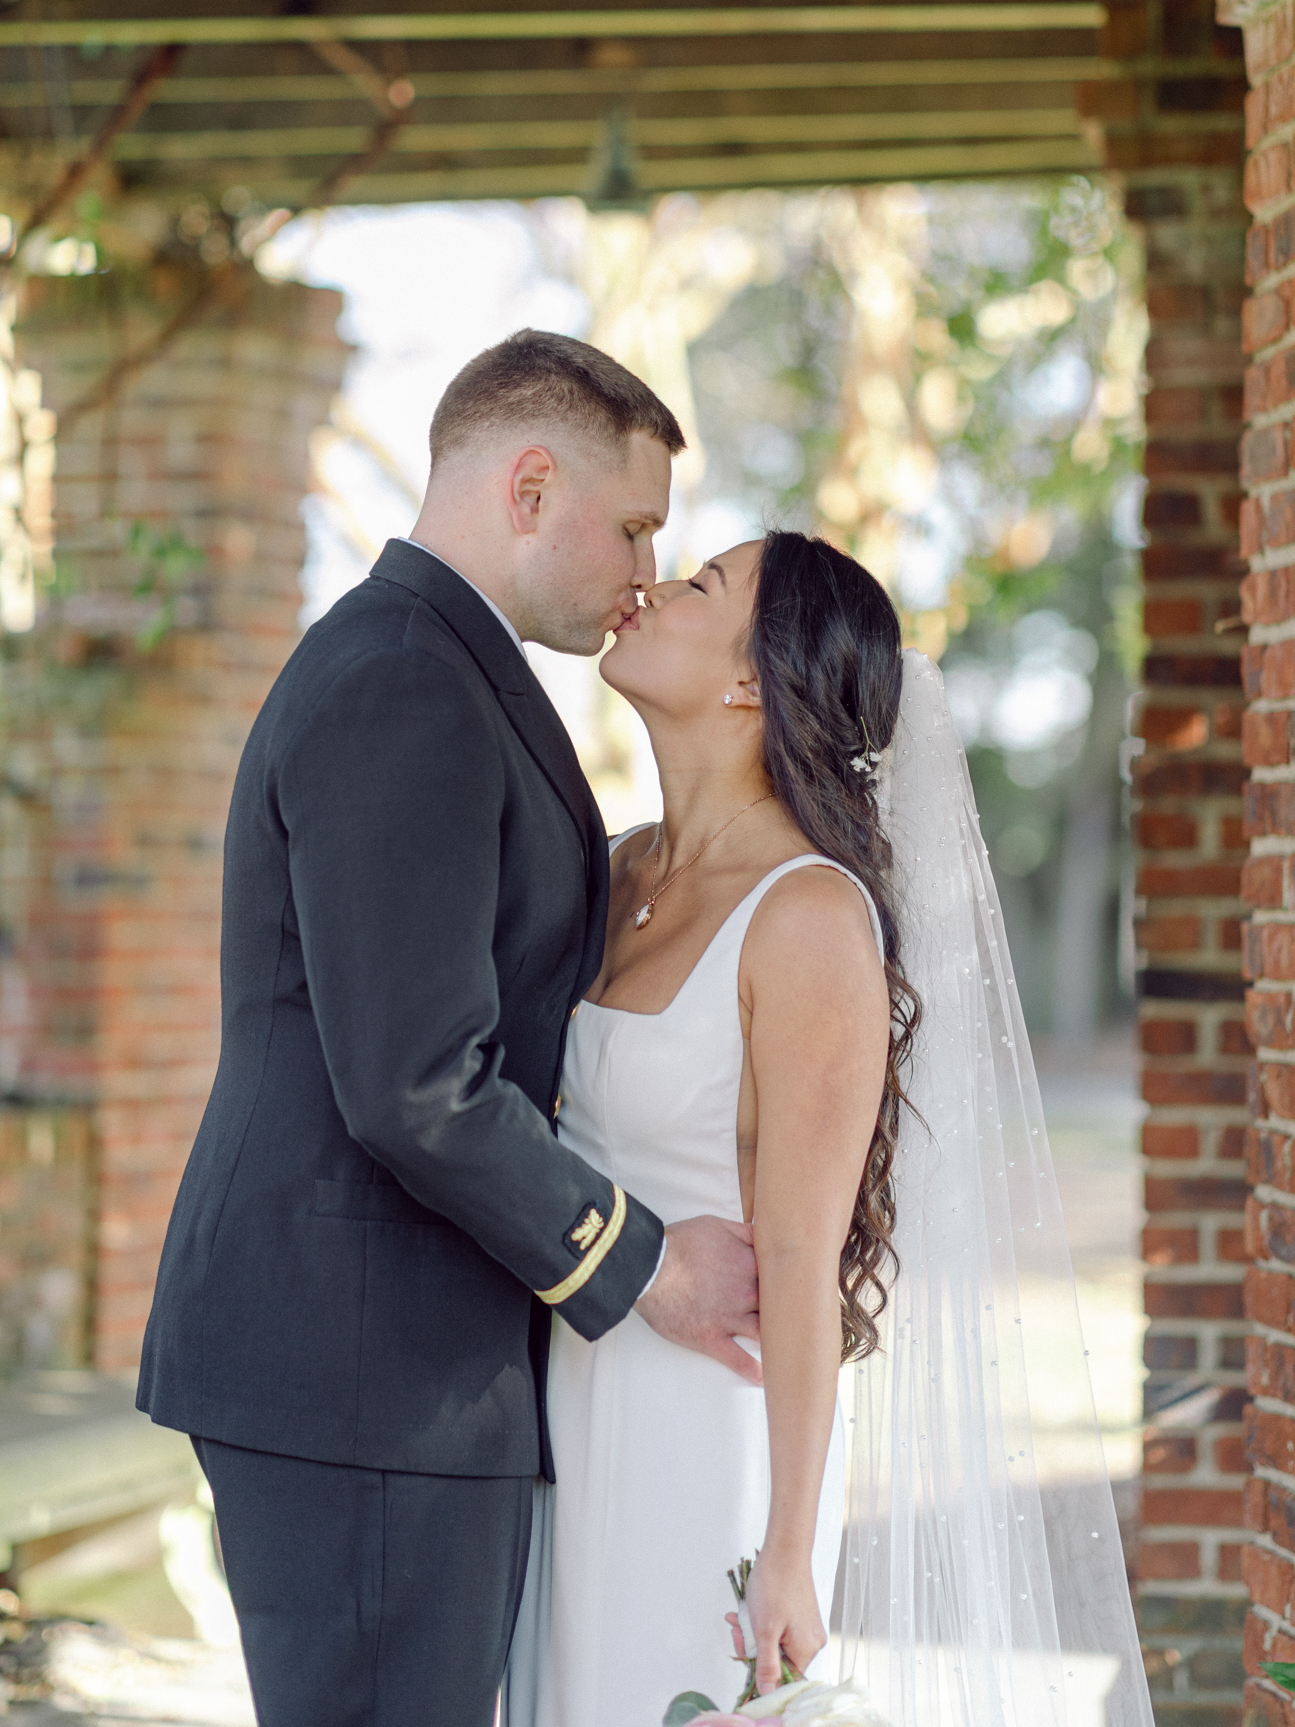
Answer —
825 646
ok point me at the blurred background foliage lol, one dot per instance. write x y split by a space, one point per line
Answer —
945 379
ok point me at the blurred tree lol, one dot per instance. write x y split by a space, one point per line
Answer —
946 379
1030 317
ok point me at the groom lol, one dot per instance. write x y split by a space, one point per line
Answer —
377 1220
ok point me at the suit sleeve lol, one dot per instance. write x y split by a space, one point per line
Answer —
392 797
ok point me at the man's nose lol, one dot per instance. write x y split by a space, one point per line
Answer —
645 570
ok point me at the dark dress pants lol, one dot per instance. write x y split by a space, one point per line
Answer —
369 1597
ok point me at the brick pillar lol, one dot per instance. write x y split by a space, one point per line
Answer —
114 956
1173 133
1268 607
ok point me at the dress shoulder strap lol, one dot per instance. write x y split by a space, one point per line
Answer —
627 835
761 888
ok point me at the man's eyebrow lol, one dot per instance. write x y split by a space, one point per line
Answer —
649 517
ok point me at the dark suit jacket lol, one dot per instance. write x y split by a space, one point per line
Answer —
415 898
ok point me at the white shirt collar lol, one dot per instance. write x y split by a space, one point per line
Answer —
504 620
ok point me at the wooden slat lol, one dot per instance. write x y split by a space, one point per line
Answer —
699 132
656 80
648 81
963 161
534 26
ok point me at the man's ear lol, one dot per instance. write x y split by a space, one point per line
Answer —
528 477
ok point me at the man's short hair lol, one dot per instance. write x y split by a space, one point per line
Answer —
535 375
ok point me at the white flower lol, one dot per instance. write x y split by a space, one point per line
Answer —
811 1705
774 1704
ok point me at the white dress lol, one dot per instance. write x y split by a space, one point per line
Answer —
661 1455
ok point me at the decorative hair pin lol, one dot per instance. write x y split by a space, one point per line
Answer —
867 757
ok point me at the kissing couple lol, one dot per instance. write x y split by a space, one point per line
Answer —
545 1186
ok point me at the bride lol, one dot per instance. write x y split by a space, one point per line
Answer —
758 1045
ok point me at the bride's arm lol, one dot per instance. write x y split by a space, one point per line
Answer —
815 993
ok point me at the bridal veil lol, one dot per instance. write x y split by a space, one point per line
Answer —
984 1579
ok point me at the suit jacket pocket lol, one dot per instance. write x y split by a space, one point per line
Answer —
372 1202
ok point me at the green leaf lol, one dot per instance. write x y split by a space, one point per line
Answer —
687 1706
1281 1672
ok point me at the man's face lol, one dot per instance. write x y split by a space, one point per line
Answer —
591 553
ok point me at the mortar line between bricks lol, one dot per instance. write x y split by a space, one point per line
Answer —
1273 558
1206 1330
1272 1405
1265 1543
1257 422
1273 1621
1282 134
1266 490
1210 1115
1180 1168
1267 1194
1274 279
1194 1589
1185 1276
1273 284
1156 1532
1272 208
1191 1483
1267 635
1278 1477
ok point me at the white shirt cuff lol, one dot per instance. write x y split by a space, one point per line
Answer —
659 1263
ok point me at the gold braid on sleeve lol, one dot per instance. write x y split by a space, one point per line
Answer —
592 1260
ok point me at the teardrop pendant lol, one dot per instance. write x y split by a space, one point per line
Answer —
643 916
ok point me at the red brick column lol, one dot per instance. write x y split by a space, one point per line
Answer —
1268 607
116 941
1173 133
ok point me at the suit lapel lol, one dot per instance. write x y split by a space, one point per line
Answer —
519 691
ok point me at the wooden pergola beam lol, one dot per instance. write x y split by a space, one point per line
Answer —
488 26
962 160
701 132
646 81
157 67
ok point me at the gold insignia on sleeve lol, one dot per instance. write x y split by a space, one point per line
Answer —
605 1237
587 1232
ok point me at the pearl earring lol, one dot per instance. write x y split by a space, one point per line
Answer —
728 701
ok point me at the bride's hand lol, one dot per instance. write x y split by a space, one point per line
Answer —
784 1616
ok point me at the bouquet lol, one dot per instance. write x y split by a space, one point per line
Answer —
798 1702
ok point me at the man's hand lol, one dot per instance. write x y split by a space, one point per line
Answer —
706 1293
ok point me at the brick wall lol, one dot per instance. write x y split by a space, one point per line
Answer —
113 853
1268 608
1173 133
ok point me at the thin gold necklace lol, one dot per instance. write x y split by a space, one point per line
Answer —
643 916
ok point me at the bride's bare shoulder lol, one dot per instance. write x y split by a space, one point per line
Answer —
814 923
